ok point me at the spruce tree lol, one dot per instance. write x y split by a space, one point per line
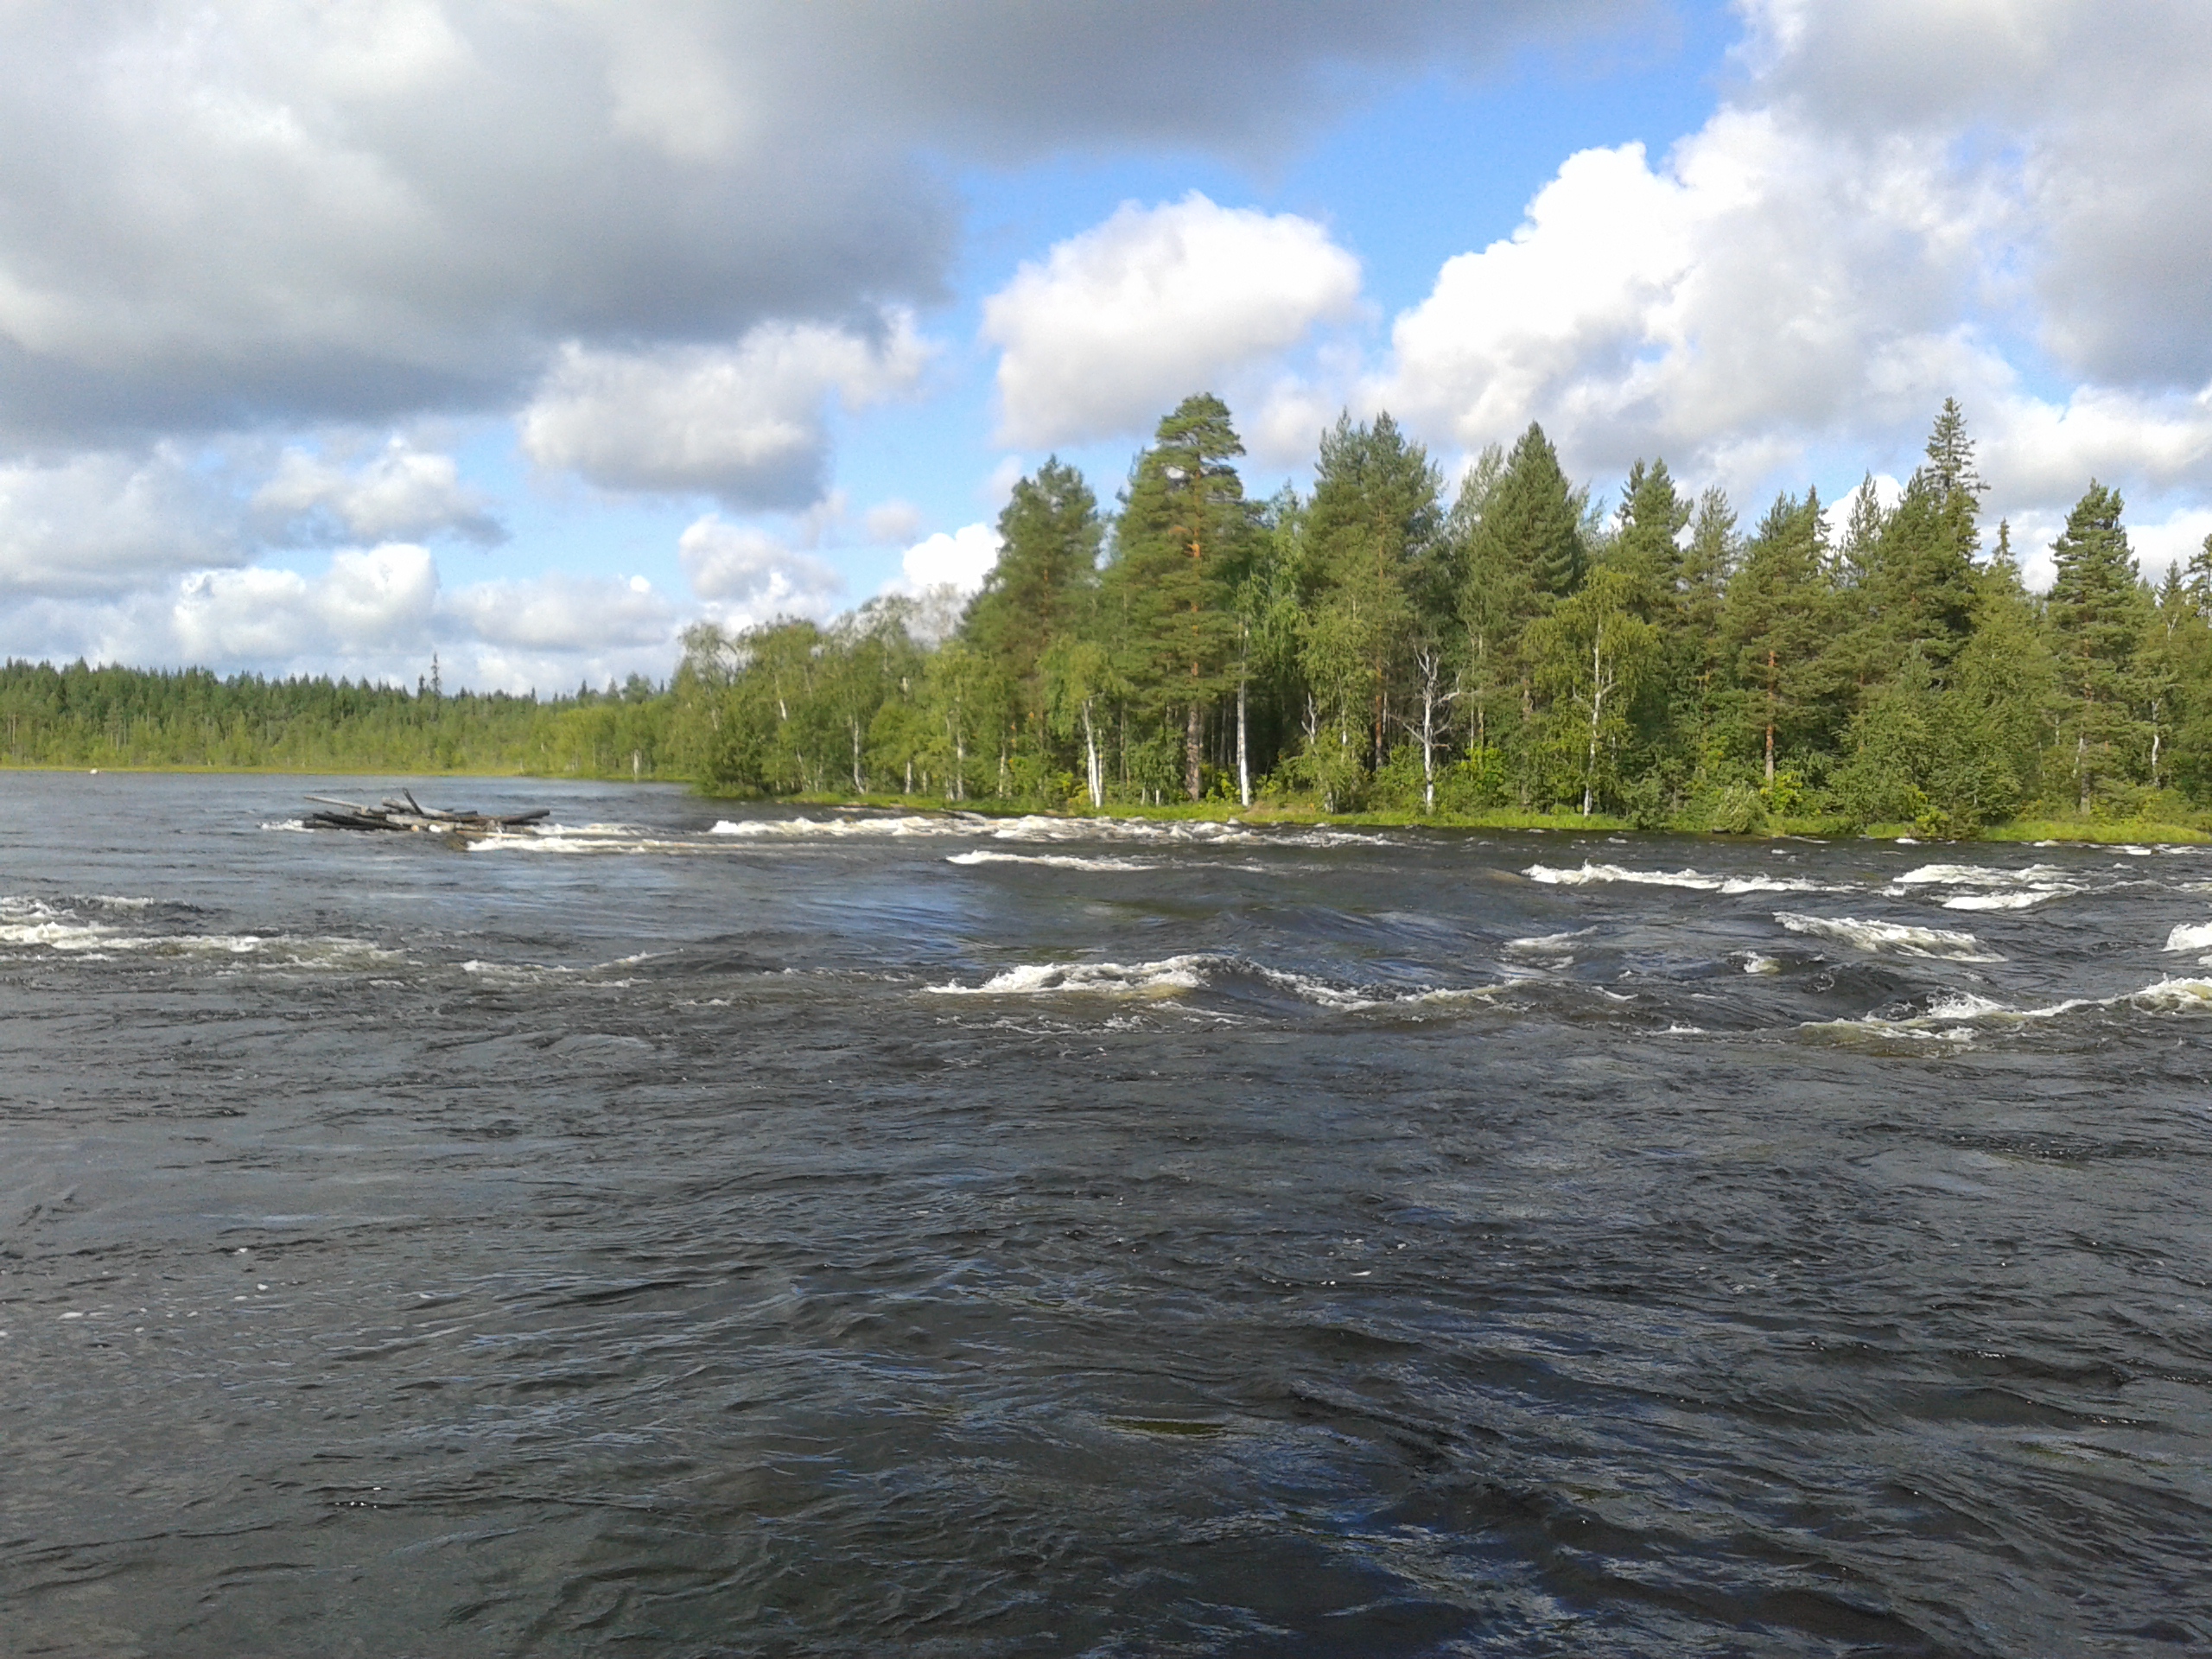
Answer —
1778 628
1182 530
1370 532
2098 615
1533 522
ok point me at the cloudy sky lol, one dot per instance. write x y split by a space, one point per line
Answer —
525 332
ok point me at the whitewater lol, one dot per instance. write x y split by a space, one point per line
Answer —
693 1227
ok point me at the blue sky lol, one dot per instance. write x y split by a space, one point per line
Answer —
529 338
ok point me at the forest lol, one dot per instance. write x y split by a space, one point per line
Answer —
1505 651
83 716
1370 646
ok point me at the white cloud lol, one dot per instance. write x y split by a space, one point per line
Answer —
403 491
891 521
563 613
959 561
745 424
1791 292
369 602
745 576
104 522
219 214
1116 326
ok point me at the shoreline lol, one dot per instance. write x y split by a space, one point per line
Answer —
2019 831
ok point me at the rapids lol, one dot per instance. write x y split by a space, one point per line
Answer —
698 1229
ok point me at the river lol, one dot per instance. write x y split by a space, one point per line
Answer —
702 1228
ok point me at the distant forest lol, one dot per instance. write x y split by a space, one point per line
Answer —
80 716
1369 646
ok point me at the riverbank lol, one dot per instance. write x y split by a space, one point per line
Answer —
2090 831
2096 831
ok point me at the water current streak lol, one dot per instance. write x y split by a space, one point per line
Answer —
692 1230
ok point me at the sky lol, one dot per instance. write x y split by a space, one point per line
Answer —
524 334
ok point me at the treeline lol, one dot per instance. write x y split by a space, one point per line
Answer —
1372 645
82 716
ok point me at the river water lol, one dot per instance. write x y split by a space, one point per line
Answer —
711 1230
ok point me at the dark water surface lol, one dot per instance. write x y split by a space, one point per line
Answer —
876 1236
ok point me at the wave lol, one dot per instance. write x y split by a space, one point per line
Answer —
1695 880
2190 936
1899 937
591 840
1036 826
803 828
1987 886
1548 944
1951 1013
1174 976
1055 861
34 925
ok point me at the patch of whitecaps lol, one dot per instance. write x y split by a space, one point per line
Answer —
1982 886
1054 860
1755 963
35 926
1549 944
578 838
1036 828
2190 936
1174 976
1956 1015
1696 880
1901 938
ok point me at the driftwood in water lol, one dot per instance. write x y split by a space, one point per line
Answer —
407 815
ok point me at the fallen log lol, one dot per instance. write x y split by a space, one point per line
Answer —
405 815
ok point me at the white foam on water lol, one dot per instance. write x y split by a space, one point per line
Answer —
1055 861
2176 996
1755 963
1694 880
1877 937
1980 875
1150 978
1548 944
839 829
1172 975
2022 899
2135 852
2190 936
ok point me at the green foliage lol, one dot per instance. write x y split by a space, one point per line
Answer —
84 716
1362 650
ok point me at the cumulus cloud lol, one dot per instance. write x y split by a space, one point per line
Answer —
1864 228
106 521
402 492
745 424
218 215
958 561
1116 326
563 613
378 613
369 602
745 576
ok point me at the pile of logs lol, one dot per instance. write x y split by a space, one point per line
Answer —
407 814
